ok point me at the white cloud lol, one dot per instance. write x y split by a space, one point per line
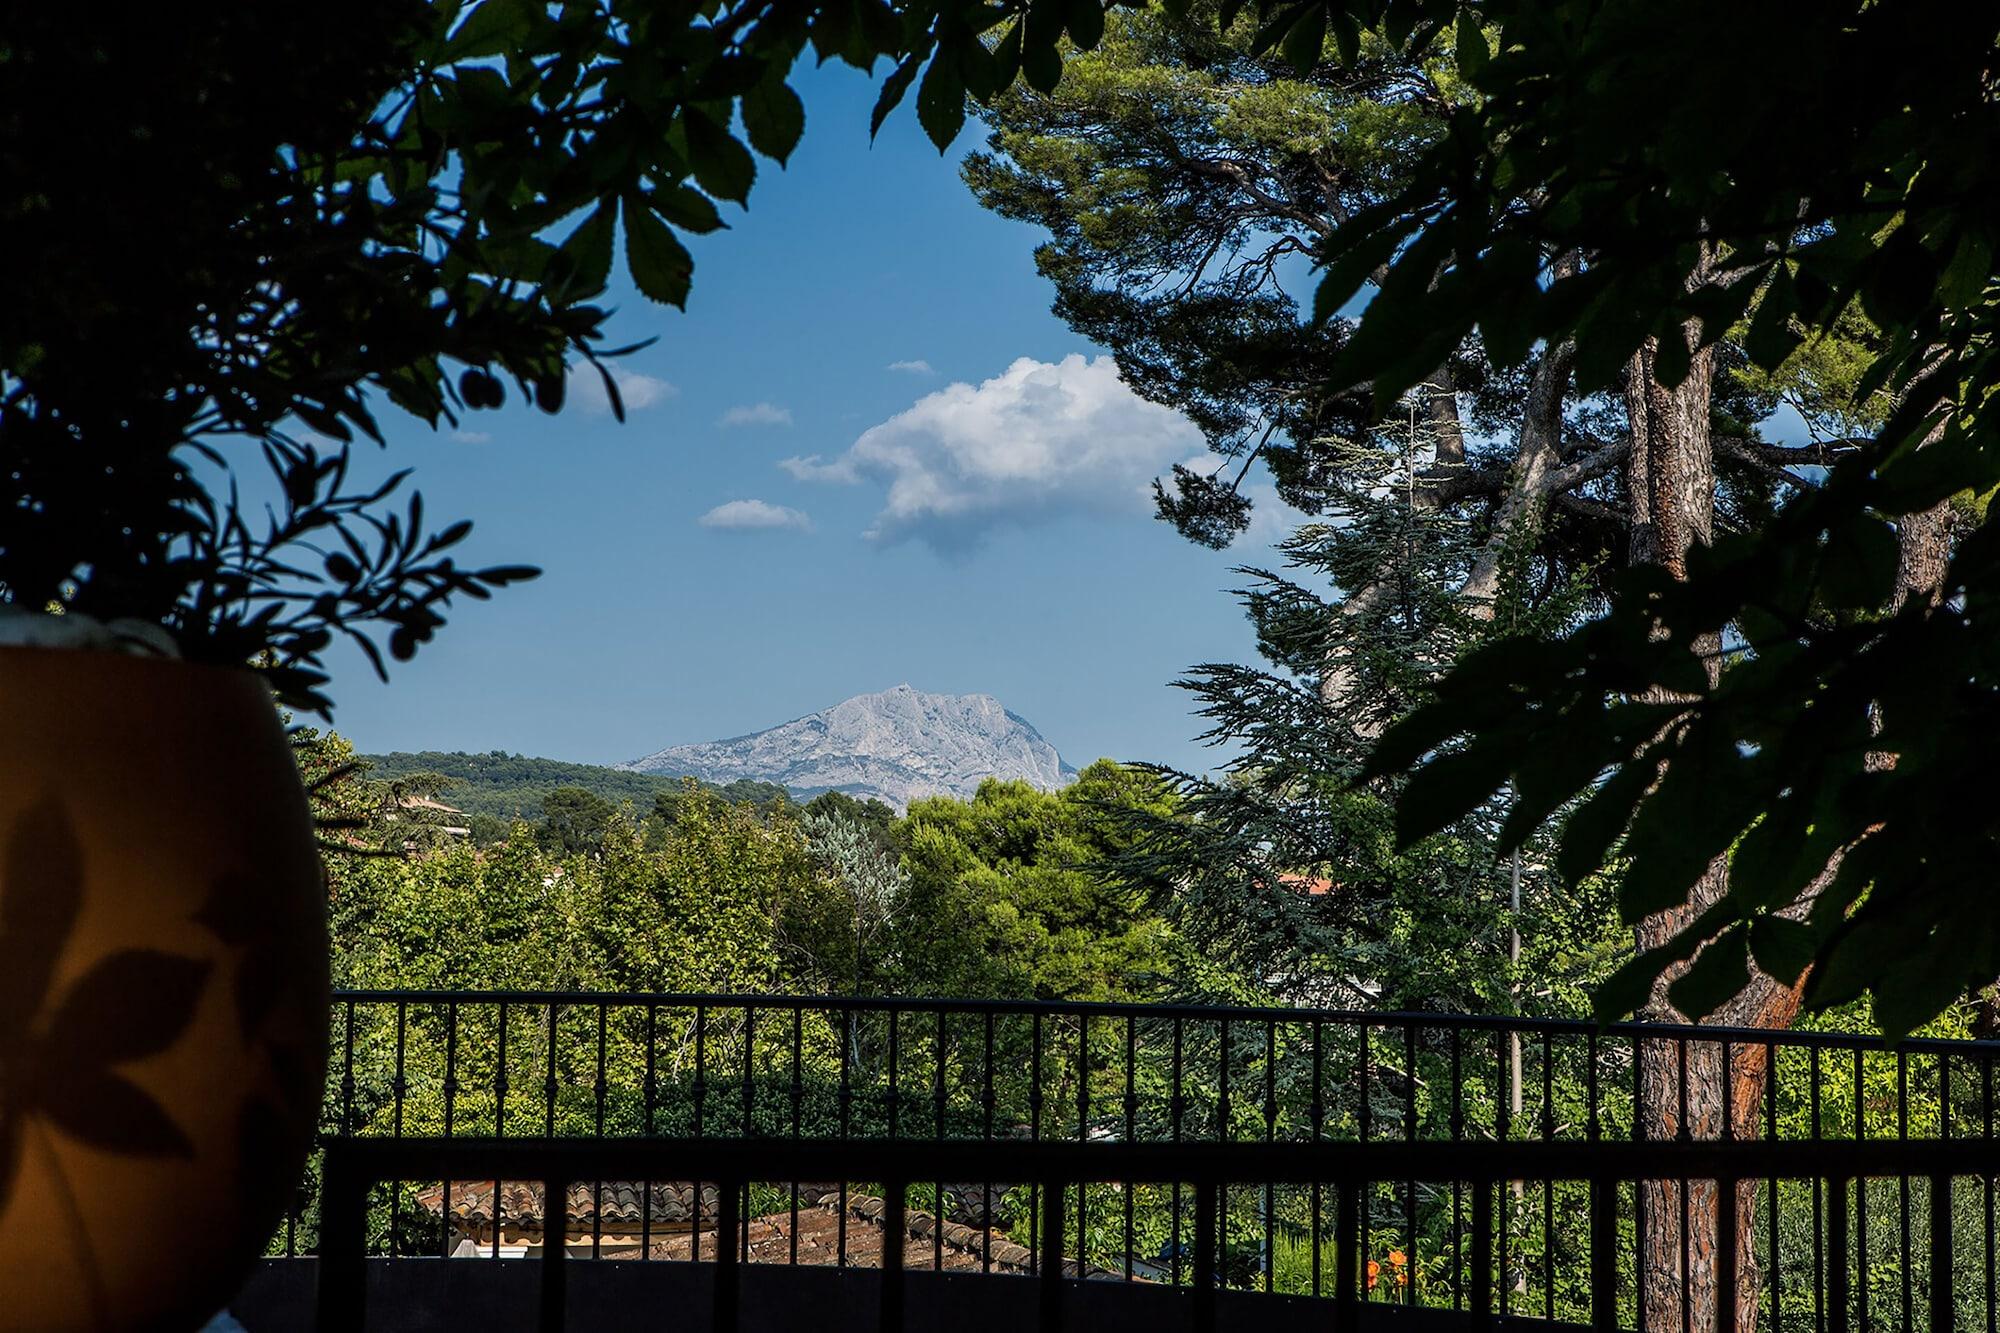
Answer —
1039 440
757 414
755 516
919 367
638 392
810 468
472 437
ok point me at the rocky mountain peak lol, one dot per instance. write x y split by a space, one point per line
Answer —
897 745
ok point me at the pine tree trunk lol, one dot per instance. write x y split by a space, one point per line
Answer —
1671 481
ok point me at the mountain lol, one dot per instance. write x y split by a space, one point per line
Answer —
898 745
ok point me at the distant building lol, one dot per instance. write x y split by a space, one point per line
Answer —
434 815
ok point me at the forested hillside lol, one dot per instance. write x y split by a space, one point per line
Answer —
502 787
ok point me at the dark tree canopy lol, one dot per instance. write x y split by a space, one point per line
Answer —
1810 700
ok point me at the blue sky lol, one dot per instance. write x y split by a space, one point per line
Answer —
867 454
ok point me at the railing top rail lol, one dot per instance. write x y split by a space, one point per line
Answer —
1848 1041
1198 1163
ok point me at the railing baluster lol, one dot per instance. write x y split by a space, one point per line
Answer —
549 1081
1860 1203
347 1077
1131 1121
500 1076
937 1215
1175 1105
1986 1192
1903 1187
1503 1129
1051 1260
1318 1112
450 1100
895 1119
1548 1126
1775 1286
1270 1136
986 1186
1727 1279
397 1088
798 1090
1035 1136
1482 1253
749 1071
1604 1254
1944 1309
1836 1243
845 1100
600 1090
652 1097
1640 1220
700 1071
1457 1186
1409 1186
500 1125
1366 1122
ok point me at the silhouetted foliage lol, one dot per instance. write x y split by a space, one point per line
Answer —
236 231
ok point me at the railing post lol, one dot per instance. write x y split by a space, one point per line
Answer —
1205 1247
895 1232
1604 1253
1942 1305
555 1252
343 1294
728 1225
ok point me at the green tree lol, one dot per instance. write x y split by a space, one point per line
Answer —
1820 766
1284 867
836 934
877 816
1012 893
1769 724
574 820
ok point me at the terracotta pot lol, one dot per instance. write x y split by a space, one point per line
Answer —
163 987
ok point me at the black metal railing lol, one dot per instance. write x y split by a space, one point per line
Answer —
989 1080
1486 1172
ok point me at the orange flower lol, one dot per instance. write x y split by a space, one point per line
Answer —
1374 1272
1398 1258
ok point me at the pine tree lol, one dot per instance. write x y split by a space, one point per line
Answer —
1283 867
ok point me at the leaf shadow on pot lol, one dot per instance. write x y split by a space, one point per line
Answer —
59 1053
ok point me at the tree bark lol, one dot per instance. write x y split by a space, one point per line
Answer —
1924 548
1685 1090
1439 394
1530 480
